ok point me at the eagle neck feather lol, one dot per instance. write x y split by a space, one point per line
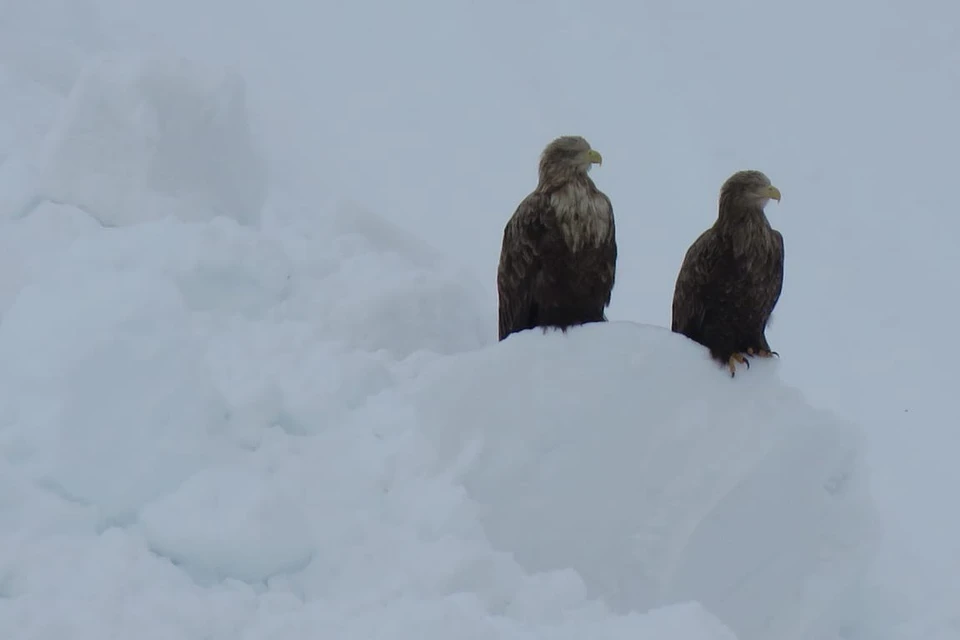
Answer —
583 213
745 226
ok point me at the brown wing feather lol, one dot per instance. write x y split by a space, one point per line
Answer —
520 261
723 302
699 263
608 256
540 282
776 282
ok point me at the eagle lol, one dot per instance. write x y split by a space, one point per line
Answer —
732 275
559 253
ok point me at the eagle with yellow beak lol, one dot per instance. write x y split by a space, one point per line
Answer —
559 253
732 275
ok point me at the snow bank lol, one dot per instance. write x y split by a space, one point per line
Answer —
145 138
270 532
194 440
621 452
106 382
189 449
384 288
30 246
219 420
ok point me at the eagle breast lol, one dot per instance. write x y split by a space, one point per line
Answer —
584 215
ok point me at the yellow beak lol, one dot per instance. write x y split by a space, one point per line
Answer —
594 157
774 193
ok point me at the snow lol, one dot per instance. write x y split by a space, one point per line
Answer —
627 461
250 380
270 532
91 411
148 139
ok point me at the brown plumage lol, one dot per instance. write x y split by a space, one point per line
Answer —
559 253
732 275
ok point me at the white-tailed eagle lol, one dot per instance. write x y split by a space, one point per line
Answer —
732 275
559 253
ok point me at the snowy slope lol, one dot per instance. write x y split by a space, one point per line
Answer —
187 448
279 424
622 452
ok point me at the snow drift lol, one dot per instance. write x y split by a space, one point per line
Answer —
146 138
189 450
622 452
304 428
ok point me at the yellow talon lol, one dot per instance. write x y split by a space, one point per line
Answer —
732 363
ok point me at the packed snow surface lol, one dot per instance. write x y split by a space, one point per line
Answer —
223 459
302 428
232 407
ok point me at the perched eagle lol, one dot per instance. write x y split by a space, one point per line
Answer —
559 253
732 275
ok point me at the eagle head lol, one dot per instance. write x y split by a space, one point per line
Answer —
749 188
566 157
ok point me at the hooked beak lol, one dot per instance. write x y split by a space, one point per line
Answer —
773 193
594 157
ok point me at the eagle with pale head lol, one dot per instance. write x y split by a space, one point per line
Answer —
559 253
732 275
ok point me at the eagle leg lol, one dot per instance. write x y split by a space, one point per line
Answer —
762 353
732 363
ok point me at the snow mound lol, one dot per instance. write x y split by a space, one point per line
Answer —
108 394
145 138
622 452
30 246
372 286
191 445
218 265
387 291
269 532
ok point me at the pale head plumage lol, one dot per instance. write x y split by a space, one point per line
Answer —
748 188
743 197
559 254
584 213
567 157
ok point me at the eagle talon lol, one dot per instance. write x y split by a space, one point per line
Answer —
733 360
762 353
